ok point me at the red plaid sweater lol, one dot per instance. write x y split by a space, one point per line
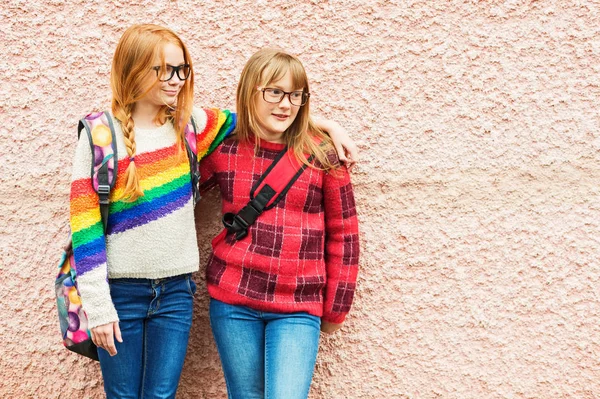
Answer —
301 255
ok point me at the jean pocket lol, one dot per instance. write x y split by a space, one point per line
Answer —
191 286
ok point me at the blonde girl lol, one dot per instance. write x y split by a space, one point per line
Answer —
294 273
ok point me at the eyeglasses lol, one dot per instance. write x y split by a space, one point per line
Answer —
275 96
183 72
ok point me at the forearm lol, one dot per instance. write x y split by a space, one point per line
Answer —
89 243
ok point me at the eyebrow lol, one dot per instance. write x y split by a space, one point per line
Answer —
281 88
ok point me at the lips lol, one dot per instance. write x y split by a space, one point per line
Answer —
280 117
170 92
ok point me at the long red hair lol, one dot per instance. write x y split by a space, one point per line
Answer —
136 53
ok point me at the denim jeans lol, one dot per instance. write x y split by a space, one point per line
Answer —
155 317
265 355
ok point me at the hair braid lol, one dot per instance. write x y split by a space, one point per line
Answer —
132 182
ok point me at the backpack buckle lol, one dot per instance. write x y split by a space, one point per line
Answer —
103 191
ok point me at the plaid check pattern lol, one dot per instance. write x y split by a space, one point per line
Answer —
314 199
350 250
213 276
312 244
267 239
348 201
343 296
309 289
301 255
257 285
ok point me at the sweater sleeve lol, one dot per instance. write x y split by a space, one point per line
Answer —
213 126
208 178
341 245
89 244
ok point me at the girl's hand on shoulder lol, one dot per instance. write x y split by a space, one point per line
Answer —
104 337
345 147
329 328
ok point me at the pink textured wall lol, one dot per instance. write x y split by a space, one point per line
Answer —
478 189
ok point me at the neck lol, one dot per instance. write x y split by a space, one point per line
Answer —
144 115
272 137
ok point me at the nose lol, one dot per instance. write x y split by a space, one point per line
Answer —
175 80
285 101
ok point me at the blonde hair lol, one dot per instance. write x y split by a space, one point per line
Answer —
303 136
134 57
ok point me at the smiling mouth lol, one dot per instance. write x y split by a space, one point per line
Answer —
280 116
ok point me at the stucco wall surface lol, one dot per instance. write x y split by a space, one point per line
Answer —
478 124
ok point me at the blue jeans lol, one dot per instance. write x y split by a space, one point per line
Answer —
265 355
155 317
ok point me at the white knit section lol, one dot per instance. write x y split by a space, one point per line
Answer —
95 297
82 168
200 118
161 248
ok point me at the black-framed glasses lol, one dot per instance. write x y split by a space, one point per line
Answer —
183 72
275 96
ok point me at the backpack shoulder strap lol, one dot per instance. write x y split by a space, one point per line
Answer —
192 152
101 135
270 188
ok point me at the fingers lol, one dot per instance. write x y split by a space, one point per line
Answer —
110 344
95 337
118 332
352 152
103 337
340 152
348 155
350 163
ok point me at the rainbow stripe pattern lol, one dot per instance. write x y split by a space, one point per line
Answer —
219 124
165 179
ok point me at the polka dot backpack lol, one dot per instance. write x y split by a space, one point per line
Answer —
71 312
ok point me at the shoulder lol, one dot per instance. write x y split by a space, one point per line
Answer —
212 119
331 156
200 117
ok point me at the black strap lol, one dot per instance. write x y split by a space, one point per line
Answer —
194 170
238 223
103 193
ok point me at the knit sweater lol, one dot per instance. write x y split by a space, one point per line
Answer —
151 237
301 255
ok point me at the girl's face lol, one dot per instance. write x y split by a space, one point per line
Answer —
275 118
165 93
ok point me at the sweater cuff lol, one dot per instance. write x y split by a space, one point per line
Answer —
95 298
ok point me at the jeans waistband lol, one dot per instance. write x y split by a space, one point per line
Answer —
149 280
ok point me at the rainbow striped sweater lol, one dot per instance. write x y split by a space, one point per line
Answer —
152 237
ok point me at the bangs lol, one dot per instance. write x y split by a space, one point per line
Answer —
279 66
